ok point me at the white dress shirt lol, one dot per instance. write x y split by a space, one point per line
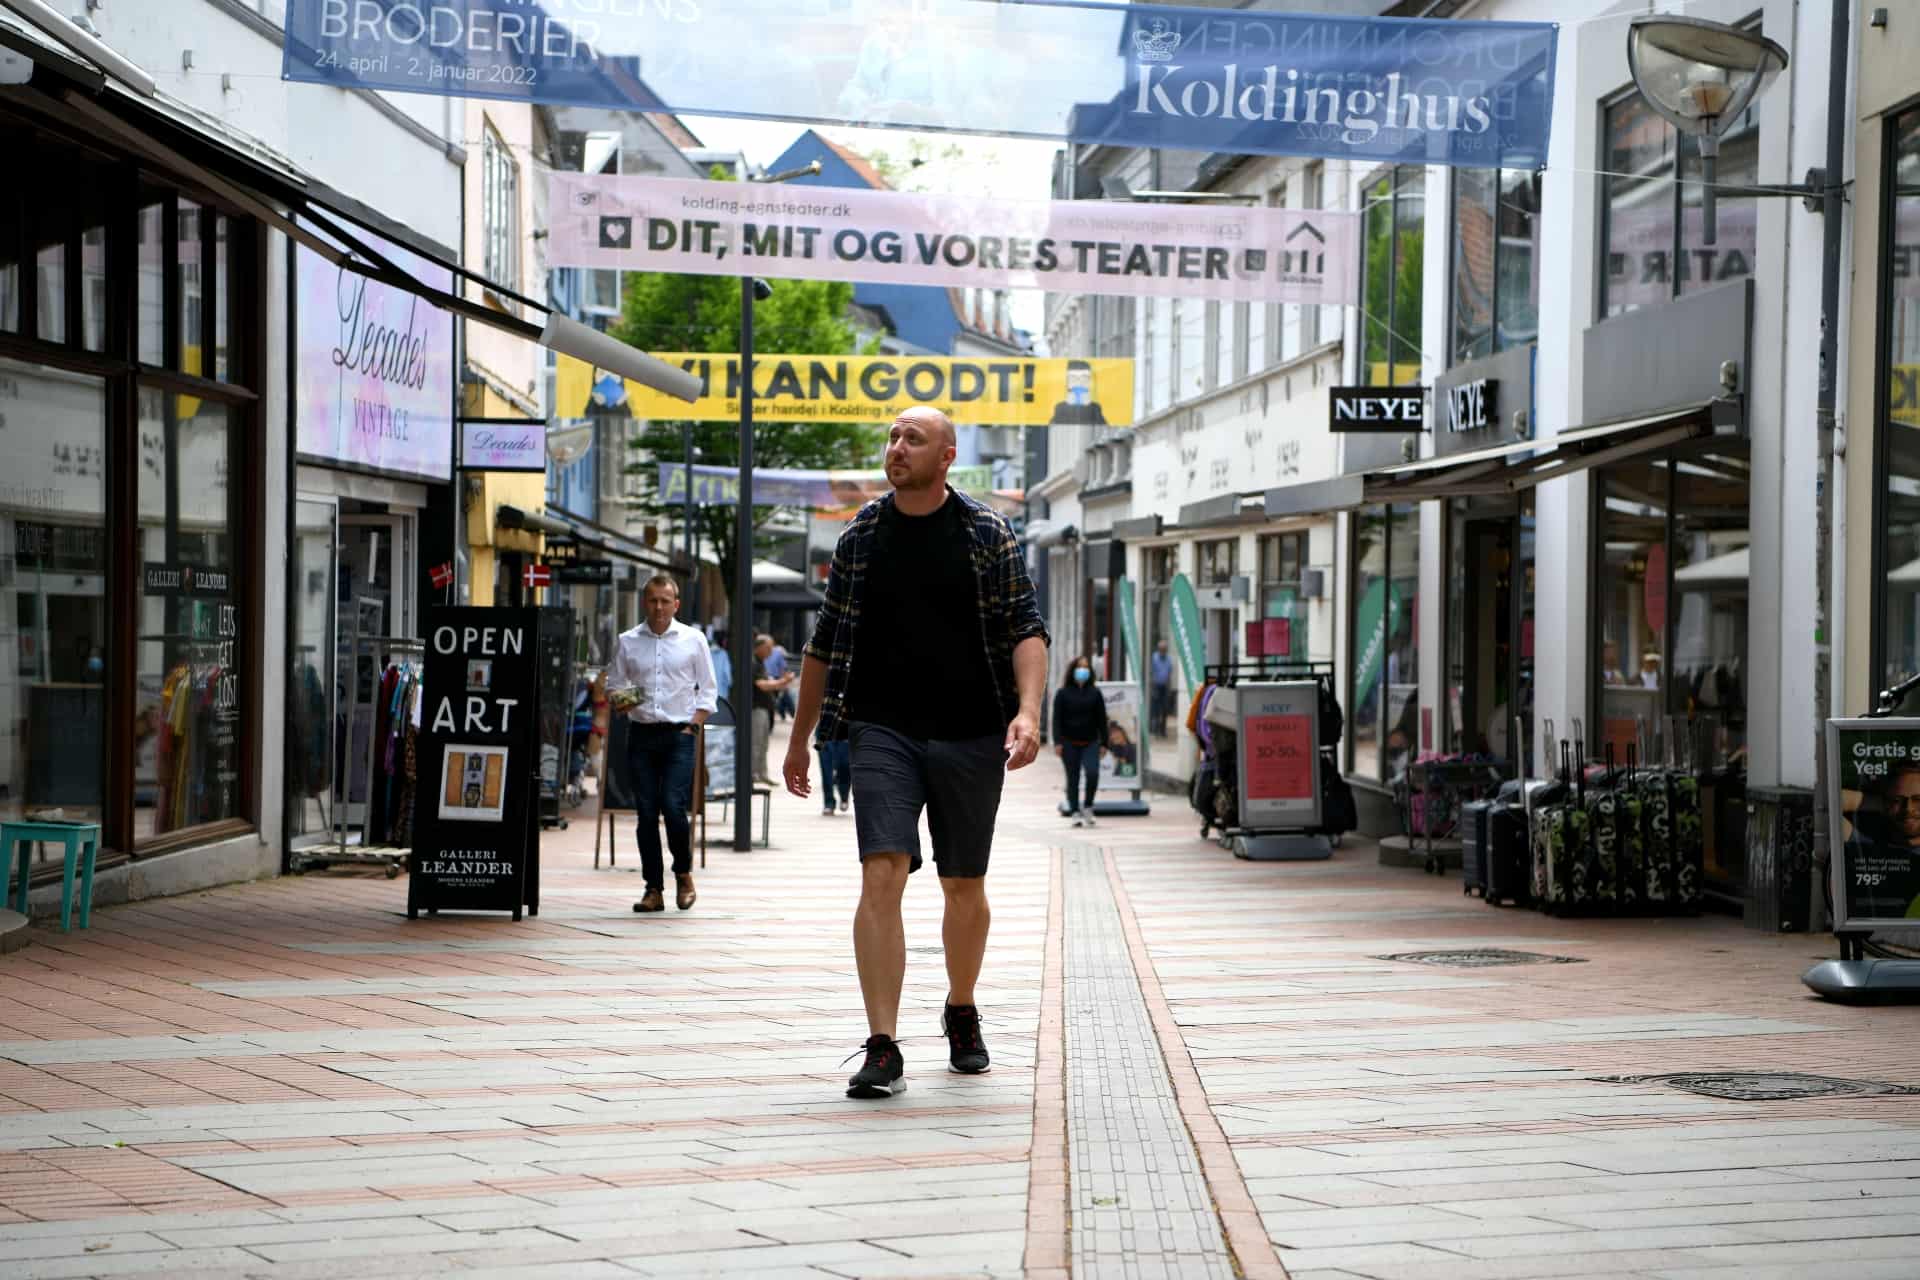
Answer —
673 671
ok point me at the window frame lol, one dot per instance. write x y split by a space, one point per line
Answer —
500 252
1883 390
1391 175
1494 309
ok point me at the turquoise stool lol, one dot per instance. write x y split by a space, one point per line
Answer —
81 841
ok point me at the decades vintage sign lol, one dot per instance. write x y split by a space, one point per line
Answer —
1396 90
891 237
476 824
1383 409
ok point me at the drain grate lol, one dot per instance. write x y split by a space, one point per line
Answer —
1479 958
1763 1086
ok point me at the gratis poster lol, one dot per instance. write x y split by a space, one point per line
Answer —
1875 810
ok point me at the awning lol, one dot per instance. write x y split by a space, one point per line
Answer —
1505 469
508 516
1048 533
1729 568
588 536
787 595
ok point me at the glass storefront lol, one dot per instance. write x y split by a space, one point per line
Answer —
1489 627
1898 570
1384 704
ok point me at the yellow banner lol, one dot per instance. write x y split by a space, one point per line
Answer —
981 392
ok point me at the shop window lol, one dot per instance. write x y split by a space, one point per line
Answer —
1496 279
1384 658
187 704
151 267
53 682
1899 435
1283 558
52 219
1651 208
1218 562
1671 602
1313 194
500 210
190 274
12 238
222 231
1393 214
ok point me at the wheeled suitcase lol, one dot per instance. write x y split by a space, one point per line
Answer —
1507 880
1568 860
1537 798
1476 845
1658 869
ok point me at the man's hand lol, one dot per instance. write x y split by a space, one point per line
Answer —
1023 740
799 760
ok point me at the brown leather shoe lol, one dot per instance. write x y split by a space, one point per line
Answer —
685 897
651 901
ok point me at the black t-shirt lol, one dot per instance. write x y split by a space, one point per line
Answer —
762 700
919 654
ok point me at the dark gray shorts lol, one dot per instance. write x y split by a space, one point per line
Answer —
957 783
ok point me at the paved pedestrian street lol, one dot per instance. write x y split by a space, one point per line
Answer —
1202 1067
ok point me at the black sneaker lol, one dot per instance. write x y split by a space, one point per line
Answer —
966 1051
881 1075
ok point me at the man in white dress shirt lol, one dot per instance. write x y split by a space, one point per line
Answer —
668 663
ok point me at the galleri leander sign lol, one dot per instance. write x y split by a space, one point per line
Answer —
476 826
1383 409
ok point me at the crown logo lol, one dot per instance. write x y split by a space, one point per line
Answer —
1157 43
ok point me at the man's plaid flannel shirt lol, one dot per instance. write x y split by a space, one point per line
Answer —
1008 610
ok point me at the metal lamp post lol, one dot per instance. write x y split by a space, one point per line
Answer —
751 291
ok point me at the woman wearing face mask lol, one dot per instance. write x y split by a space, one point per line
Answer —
1079 735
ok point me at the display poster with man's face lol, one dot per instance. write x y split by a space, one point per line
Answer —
1876 819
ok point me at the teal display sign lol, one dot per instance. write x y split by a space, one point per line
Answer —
1188 639
1378 90
1129 628
1374 622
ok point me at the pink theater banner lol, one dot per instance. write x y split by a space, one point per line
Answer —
375 368
1224 254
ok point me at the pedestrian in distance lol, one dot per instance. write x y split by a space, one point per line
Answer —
836 775
937 691
1079 736
777 664
767 689
722 664
662 678
1160 673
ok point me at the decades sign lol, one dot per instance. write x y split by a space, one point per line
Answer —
476 826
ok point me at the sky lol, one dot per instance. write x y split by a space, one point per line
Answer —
1009 168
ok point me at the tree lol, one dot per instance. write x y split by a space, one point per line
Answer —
702 313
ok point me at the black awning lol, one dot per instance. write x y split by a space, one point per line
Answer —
1509 468
787 595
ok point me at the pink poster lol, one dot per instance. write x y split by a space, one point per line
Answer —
376 375
1279 757
1233 254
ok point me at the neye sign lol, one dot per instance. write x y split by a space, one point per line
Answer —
1385 409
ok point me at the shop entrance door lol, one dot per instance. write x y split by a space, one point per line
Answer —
312 679
1481 683
373 599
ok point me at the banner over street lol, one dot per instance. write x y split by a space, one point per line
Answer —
893 237
1397 90
983 392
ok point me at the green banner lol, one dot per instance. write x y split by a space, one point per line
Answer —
1373 625
1187 636
1130 659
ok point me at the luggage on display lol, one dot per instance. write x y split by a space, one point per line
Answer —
1494 857
1475 845
1658 888
1566 827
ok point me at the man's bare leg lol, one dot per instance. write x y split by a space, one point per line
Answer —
880 940
964 931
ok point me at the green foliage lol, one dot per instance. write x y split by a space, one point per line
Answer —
702 313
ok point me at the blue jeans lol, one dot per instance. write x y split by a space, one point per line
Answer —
1081 762
836 770
660 760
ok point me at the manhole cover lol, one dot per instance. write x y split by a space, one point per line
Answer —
1763 1086
1479 958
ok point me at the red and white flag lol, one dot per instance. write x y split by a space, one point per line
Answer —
539 575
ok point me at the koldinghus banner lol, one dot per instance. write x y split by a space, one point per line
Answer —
1395 90
979 392
894 237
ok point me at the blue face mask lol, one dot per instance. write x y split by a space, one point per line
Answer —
95 666
1081 675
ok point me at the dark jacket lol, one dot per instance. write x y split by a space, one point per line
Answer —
1079 714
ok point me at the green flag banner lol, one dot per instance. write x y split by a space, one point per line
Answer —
1187 637
1373 624
1129 628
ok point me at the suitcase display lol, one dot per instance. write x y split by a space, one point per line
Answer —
1569 848
1475 845
1605 822
1689 823
1659 889
1507 878
1538 798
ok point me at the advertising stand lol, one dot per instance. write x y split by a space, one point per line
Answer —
477 824
1275 753
1873 804
1120 754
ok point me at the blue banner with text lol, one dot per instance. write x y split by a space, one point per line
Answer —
1400 90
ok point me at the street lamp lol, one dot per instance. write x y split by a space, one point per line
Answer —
1700 75
751 291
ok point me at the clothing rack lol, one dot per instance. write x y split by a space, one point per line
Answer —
338 850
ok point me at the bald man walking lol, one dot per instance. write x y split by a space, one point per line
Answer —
930 657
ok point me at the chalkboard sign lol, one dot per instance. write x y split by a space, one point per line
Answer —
617 782
476 826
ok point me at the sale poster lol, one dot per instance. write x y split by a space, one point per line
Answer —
1279 757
